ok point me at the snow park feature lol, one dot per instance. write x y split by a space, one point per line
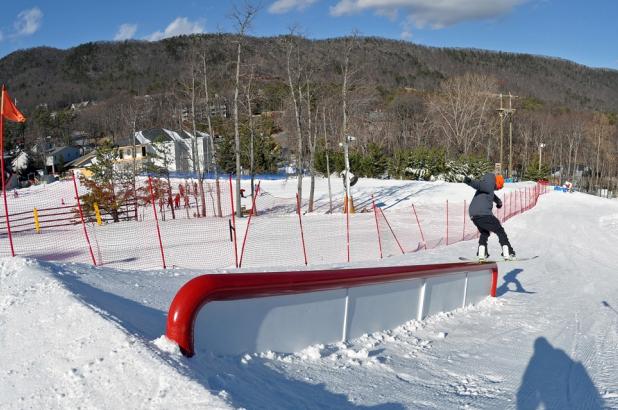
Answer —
288 311
77 335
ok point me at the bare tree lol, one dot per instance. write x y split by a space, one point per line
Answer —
211 134
294 83
242 19
349 45
248 96
461 110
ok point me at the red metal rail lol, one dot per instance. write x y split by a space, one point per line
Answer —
207 288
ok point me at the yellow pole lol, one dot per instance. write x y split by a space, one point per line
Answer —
98 214
37 226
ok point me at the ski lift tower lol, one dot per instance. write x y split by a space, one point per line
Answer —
506 113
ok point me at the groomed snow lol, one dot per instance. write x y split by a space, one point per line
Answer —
75 336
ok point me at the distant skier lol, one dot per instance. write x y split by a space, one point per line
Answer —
480 212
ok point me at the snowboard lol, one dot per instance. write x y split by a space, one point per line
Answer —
461 258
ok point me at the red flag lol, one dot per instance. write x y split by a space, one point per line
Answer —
9 110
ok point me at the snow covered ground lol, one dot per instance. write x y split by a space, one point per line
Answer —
76 336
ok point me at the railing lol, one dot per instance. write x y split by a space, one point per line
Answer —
202 290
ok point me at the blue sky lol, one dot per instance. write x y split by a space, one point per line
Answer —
584 32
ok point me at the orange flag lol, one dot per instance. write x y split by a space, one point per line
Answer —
9 110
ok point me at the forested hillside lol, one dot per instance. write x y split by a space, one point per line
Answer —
415 111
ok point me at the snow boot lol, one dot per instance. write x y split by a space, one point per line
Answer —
508 254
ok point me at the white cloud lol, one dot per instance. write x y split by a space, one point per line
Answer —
178 27
433 13
28 22
283 6
125 32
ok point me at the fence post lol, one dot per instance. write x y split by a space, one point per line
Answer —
419 227
37 227
6 206
154 208
81 216
233 222
521 201
300 220
97 212
244 241
375 214
392 232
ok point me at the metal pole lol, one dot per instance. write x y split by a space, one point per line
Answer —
375 214
6 207
81 216
347 173
510 145
302 233
419 227
501 112
154 209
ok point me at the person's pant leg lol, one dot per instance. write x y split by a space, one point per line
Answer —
481 225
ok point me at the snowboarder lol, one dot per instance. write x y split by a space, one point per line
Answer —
480 212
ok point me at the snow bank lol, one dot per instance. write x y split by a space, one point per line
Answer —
58 352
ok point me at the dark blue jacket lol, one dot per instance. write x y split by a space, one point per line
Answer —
483 202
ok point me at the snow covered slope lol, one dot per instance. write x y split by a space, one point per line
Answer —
73 335
59 352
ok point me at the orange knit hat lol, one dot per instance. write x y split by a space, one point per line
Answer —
499 181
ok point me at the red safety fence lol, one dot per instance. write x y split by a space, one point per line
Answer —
183 224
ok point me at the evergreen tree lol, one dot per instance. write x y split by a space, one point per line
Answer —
110 186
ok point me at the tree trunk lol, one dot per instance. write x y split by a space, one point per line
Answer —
212 142
297 116
237 133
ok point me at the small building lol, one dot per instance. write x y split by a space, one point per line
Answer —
56 160
80 165
179 145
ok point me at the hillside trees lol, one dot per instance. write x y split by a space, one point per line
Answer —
461 110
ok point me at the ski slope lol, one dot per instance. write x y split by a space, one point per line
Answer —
73 335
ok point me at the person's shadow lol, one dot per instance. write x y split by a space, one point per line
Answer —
554 381
511 277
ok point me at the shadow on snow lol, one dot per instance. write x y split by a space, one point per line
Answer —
554 381
254 385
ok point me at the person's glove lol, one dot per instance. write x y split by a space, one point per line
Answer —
467 180
499 204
